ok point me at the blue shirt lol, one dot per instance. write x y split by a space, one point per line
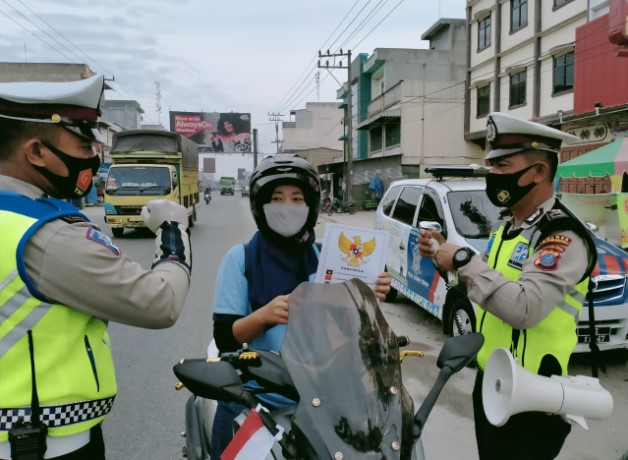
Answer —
231 298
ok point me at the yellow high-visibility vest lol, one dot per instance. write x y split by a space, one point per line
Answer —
554 335
74 368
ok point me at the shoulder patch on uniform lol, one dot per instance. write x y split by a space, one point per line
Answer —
556 240
547 260
99 237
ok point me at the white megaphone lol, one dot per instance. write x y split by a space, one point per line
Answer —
509 389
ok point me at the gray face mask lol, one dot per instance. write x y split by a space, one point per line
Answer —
286 219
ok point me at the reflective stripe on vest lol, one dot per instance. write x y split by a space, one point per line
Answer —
554 335
20 329
56 416
73 362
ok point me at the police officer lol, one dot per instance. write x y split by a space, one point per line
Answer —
62 279
531 282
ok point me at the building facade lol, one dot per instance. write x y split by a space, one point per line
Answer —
124 113
414 111
547 61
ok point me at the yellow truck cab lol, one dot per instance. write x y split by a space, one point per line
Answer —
148 165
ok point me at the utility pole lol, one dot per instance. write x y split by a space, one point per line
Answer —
276 117
254 148
348 166
158 102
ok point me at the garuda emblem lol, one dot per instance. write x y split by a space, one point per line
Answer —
355 250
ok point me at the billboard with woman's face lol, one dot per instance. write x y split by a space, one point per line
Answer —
215 132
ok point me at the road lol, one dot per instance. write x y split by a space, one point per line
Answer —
148 415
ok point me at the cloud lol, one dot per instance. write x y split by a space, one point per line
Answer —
237 55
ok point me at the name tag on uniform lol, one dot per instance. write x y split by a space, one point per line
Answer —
519 256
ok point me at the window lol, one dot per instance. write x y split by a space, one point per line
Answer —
406 205
518 14
376 138
393 135
389 199
563 72
518 88
429 210
559 3
484 33
484 101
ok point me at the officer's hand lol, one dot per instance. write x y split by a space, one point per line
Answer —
445 256
429 241
156 212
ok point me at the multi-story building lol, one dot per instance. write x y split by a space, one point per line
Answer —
413 110
547 61
125 113
317 128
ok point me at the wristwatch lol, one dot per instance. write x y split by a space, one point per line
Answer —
462 257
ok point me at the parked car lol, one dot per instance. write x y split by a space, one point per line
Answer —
460 205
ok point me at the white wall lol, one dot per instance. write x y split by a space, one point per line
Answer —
227 164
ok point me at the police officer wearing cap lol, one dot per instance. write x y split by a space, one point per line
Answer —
62 279
531 282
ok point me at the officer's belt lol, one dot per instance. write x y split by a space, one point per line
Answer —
56 416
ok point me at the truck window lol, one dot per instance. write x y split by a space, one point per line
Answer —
473 213
428 211
134 180
406 205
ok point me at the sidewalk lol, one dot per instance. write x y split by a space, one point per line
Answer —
365 219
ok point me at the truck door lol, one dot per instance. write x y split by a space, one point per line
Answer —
422 275
403 216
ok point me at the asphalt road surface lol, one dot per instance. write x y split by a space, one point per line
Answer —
148 416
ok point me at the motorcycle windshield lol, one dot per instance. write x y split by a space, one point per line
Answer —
344 362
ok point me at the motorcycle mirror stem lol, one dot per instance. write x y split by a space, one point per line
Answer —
456 353
428 403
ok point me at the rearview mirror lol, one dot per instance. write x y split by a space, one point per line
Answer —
218 381
459 351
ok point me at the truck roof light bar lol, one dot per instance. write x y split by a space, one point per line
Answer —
472 170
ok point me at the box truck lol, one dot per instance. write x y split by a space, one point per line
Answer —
148 165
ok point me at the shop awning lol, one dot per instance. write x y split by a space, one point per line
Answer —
382 118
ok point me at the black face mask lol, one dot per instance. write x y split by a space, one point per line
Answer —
80 173
504 190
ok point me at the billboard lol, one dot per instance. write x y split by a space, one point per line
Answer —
213 131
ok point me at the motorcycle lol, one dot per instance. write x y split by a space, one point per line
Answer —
208 197
341 364
341 206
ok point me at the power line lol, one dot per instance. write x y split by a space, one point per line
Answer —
62 36
37 37
80 58
311 63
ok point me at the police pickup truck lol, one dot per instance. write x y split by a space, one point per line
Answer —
455 198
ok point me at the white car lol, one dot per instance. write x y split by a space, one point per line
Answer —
460 205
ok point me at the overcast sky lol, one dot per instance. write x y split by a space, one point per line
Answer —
215 56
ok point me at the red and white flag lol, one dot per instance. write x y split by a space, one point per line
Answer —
252 441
